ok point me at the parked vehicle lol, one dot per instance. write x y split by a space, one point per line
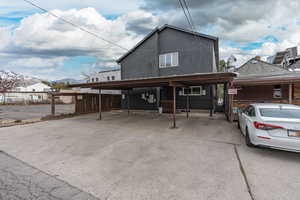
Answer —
271 125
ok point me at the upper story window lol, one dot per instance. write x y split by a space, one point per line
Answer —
168 60
113 78
92 79
97 79
108 78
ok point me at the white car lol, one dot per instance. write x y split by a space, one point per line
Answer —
271 125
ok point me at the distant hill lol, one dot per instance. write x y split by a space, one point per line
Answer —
68 80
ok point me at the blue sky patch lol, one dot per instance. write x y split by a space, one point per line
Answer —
252 46
111 17
270 38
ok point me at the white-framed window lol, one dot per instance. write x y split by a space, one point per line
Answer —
193 91
97 79
168 60
277 93
113 78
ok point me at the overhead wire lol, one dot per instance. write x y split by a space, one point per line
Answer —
74 25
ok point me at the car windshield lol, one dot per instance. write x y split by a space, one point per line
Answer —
280 113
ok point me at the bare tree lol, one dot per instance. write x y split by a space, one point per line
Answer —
85 76
8 81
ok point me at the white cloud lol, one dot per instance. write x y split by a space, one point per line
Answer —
42 40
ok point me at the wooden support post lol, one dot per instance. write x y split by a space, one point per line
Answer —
52 105
174 107
230 102
76 104
128 103
211 101
100 105
187 106
290 93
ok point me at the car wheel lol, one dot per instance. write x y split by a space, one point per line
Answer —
248 140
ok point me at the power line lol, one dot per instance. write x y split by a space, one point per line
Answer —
190 16
75 25
186 15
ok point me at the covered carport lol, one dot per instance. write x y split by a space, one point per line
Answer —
174 81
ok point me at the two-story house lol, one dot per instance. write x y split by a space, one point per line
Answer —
168 51
108 75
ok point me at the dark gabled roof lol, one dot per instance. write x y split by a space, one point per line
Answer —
163 28
270 79
258 67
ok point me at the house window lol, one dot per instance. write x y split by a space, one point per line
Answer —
108 78
193 91
97 79
168 60
92 79
277 93
113 78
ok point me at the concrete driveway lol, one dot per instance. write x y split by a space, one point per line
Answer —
139 157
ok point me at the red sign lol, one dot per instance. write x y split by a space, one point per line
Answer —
232 91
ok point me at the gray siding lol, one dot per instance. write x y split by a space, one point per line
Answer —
142 62
195 53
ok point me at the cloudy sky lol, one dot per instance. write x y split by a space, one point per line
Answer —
35 43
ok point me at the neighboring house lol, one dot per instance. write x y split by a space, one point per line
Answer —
168 51
255 66
37 87
295 66
261 82
286 58
102 76
109 75
36 92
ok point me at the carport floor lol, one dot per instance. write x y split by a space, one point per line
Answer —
140 157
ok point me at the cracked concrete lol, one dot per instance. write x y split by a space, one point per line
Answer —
19 181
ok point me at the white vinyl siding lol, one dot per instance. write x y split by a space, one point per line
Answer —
168 60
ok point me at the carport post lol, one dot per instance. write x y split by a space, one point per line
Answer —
174 107
100 105
52 105
128 102
290 93
187 106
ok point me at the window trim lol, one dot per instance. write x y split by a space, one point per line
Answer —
164 56
191 93
277 88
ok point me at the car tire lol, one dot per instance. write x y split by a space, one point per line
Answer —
248 139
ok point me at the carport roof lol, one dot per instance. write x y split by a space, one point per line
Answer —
174 80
